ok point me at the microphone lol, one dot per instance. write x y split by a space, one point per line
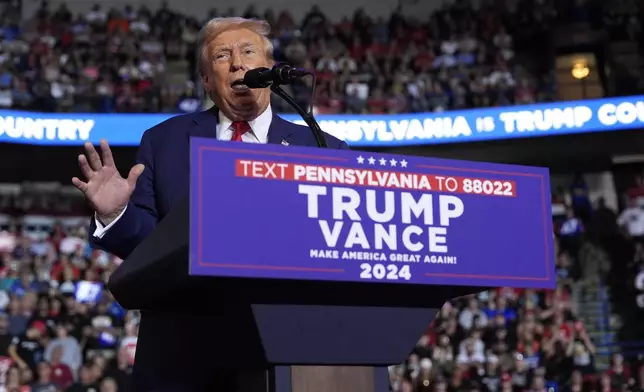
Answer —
285 74
278 75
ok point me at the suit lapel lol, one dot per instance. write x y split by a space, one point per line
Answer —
203 124
280 131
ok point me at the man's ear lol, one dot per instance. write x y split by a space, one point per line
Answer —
204 80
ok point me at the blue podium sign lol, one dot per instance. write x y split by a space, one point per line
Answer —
284 212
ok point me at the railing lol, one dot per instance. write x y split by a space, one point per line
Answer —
605 310
627 349
607 347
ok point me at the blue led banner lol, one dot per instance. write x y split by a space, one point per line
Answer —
558 118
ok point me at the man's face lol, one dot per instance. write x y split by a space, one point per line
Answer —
226 60
43 370
33 333
57 354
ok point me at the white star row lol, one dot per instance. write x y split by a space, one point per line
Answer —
382 161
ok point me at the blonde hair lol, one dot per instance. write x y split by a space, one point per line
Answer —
216 26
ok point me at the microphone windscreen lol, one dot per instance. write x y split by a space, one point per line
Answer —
254 78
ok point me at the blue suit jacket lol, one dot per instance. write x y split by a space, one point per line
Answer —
215 345
174 352
164 152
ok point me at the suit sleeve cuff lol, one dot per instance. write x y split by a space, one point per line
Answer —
102 229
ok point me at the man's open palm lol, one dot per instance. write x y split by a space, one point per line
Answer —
107 192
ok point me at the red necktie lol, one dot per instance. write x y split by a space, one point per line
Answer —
239 128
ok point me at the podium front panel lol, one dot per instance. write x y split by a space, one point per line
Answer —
346 216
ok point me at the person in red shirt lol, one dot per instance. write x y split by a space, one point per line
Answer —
332 103
560 295
63 264
66 38
419 34
510 293
377 103
115 24
636 193
61 374
378 49
424 59
528 340
619 372
356 48
563 327
57 235
559 327
605 384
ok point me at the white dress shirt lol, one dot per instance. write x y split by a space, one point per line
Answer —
258 134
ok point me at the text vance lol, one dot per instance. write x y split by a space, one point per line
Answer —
424 219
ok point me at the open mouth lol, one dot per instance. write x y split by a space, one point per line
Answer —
239 85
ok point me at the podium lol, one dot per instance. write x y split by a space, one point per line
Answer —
303 270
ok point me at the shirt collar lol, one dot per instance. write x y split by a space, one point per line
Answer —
259 126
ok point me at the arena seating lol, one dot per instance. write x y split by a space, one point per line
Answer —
126 61
55 310
61 331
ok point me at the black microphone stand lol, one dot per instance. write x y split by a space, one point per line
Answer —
306 116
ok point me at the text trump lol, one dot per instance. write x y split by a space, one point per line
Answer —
400 219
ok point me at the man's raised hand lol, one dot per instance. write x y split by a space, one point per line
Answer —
105 189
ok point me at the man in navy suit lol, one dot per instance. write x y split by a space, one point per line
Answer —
171 357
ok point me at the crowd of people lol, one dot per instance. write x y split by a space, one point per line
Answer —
526 340
501 340
98 62
623 240
120 60
60 330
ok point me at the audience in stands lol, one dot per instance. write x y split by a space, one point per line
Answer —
522 340
60 327
135 61
504 339
60 330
